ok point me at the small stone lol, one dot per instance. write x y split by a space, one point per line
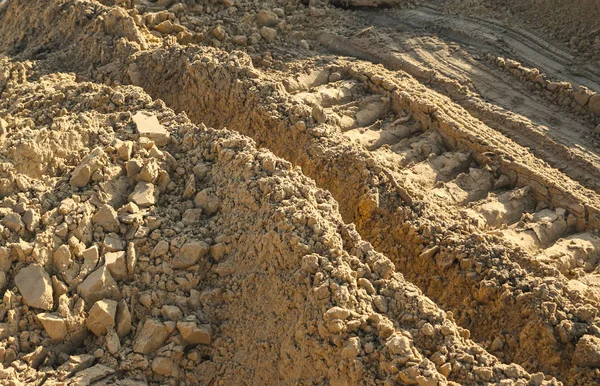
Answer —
113 244
83 172
149 172
36 357
13 222
116 264
351 348
267 18
398 345
55 326
171 312
191 216
101 318
107 218
149 127
91 254
131 258
113 344
206 202
91 375
123 319
219 33
145 299
217 251
161 249
31 219
189 254
124 150
35 286
62 258
587 352
193 334
594 104
61 230
59 287
143 194
427 329
240 40
269 34
336 313
200 171
165 366
99 285
3 281
151 337
166 27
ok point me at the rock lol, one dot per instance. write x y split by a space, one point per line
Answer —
594 104
106 217
124 150
149 127
149 172
143 194
83 172
240 40
191 216
131 258
189 254
62 258
113 344
587 352
165 366
398 345
151 337
582 96
269 34
99 285
101 318
91 255
13 222
166 27
133 168
123 319
217 251
219 33
193 334
113 243
31 219
116 264
35 286
267 18
161 249
36 357
171 312
209 204
91 375
351 348
55 326
3 281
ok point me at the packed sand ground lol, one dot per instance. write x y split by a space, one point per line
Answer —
394 192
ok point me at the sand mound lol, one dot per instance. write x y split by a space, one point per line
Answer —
138 246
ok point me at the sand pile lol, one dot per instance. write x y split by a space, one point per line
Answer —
138 246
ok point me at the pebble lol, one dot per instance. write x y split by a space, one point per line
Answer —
194 334
143 194
99 285
35 286
148 126
101 318
151 337
189 254
54 325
